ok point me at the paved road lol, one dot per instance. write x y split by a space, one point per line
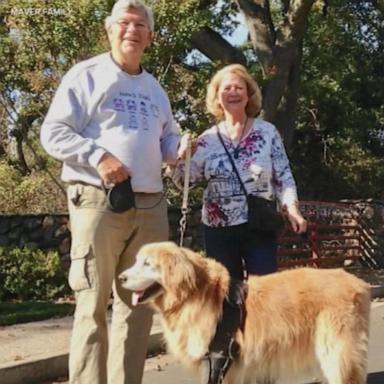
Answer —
174 374
163 370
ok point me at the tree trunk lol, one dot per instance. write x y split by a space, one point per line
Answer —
262 34
287 110
278 52
20 158
212 45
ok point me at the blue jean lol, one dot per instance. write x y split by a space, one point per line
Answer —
240 251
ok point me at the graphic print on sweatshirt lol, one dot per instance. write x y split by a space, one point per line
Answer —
138 107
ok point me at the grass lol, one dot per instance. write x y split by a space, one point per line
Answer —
17 313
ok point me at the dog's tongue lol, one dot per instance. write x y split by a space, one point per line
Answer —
136 297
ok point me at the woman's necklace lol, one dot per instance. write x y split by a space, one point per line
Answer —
236 151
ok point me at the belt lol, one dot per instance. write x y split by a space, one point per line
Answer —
74 182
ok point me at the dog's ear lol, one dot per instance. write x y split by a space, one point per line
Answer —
179 272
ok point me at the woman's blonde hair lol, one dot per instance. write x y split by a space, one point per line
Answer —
254 95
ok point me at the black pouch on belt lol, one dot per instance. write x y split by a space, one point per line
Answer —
120 197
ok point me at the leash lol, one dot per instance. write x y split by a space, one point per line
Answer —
184 205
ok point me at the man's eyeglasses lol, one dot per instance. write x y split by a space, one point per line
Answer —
124 24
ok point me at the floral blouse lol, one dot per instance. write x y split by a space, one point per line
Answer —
261 161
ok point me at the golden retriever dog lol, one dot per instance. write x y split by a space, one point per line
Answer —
298 322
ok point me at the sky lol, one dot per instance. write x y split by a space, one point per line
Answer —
240 34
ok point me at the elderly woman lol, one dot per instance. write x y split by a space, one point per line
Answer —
239 156
257 151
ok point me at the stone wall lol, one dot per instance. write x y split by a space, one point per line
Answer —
52 231
37 232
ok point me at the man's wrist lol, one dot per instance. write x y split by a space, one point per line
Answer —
96 156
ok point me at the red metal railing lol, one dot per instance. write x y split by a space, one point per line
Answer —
334 236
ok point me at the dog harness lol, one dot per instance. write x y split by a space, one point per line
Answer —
223 348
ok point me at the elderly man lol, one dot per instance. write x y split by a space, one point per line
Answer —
110 121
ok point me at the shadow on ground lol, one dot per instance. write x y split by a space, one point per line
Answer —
376 378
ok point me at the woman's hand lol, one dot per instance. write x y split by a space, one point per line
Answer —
185 140
298 223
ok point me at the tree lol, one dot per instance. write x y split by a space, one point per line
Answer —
38 43
319 64
339 146
41 41
276 36
334 156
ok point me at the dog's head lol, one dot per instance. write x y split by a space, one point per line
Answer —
160 268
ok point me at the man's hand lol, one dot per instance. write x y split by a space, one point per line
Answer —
112 170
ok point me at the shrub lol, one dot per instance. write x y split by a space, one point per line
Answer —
34 193
27 274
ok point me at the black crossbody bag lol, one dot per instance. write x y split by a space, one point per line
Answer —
262 213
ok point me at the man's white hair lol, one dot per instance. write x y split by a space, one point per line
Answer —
122 6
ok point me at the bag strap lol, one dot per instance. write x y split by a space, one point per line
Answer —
232 162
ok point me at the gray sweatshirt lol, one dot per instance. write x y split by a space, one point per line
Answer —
99 108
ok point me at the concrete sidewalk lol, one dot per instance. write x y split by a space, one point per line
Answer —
38 353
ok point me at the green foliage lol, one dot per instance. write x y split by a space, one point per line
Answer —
34 193
28 274
338 152
170 58
39 42
44 40
16 313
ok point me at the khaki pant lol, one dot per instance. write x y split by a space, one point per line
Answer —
103 245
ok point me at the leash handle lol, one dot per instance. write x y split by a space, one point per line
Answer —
184 205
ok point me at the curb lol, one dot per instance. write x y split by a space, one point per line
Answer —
377 291
37 371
